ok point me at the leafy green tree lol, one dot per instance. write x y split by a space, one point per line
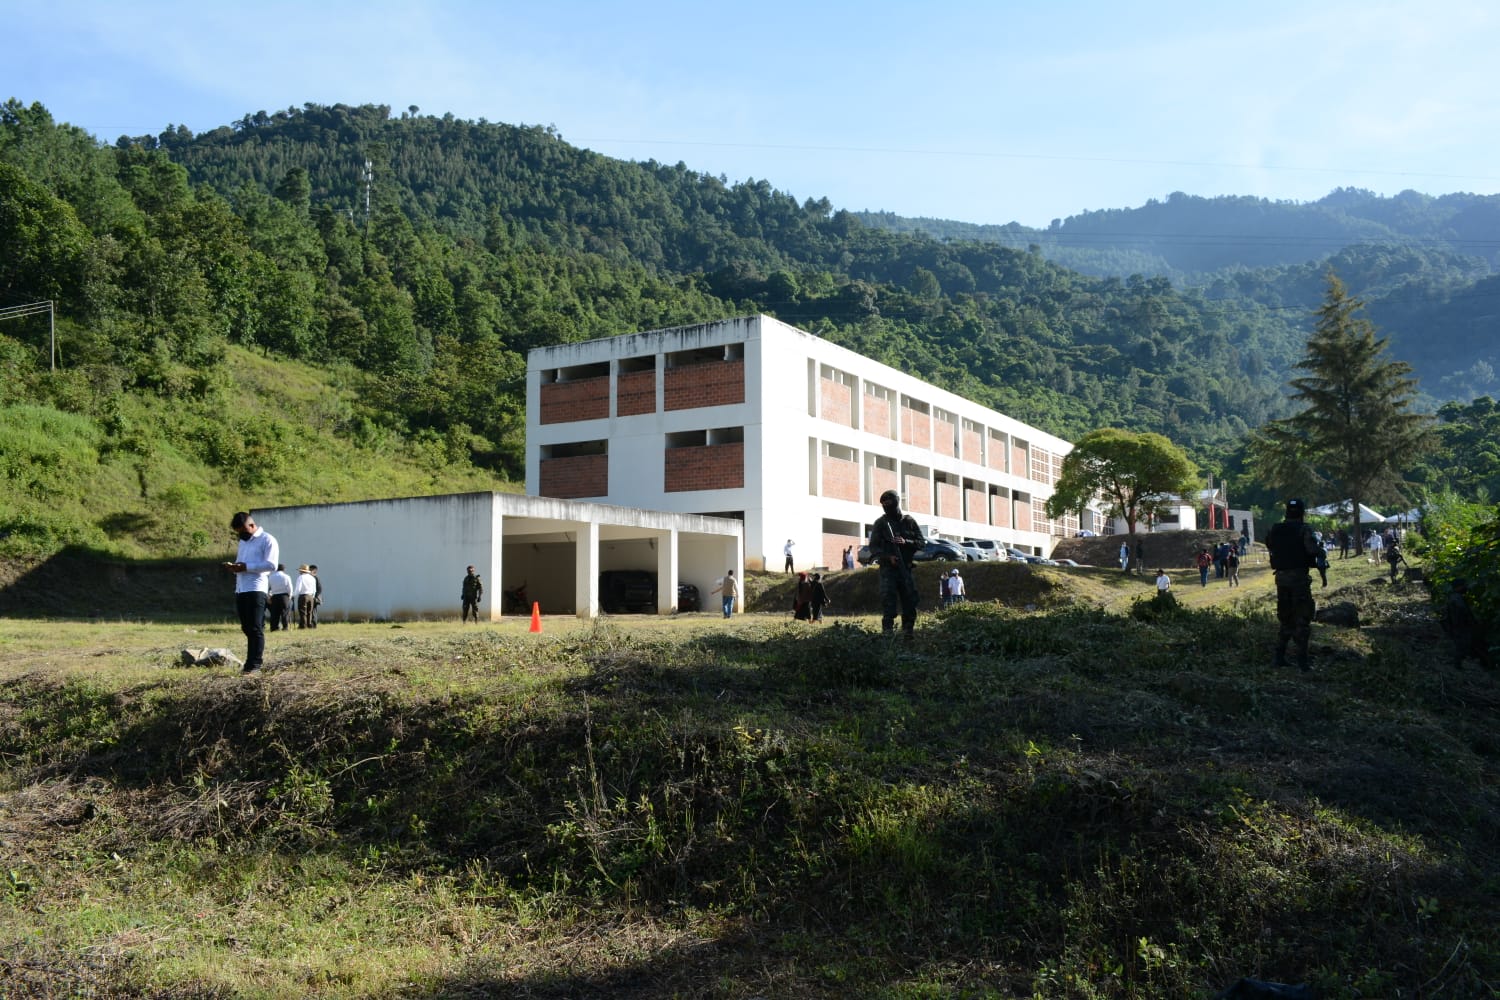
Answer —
1357 431
1135 474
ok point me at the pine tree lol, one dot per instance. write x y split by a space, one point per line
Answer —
1357 432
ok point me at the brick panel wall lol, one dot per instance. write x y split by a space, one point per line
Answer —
635 393
585 399
718 383
918 495
709 467
971 446
996 457
1000 511
1023 516
840 479
976 508
1018 463
833 549
949 501
942 437
837 403
877 416
916 428
880 481
575 477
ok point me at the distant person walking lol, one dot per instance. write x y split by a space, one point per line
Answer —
254 561
1163 582
957 594
849 557
1232 566
280 603
730 588
893 540
1204 562
472 591
787 551
1124 557
317 593
802 599
819 597
307 592
1394 557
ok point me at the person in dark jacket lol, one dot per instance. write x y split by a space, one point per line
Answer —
1294 551
819 597
894 539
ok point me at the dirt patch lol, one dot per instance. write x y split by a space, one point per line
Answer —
1165 549
857 591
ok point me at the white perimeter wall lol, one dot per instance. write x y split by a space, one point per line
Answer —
390 558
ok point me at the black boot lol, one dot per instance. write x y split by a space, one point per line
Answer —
1280 660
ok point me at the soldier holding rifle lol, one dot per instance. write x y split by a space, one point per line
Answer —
894 539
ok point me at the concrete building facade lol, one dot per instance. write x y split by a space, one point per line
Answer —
405 558
758 421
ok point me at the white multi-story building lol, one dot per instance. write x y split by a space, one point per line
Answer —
756 420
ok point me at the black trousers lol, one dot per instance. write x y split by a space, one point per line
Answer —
281 611
251 606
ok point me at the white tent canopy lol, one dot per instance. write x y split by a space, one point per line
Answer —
1341 510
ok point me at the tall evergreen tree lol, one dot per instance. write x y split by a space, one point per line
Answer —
1356 433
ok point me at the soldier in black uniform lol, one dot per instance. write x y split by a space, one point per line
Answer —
893 541
1294 551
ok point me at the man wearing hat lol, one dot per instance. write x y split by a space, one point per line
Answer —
307 593
1294 550
893 540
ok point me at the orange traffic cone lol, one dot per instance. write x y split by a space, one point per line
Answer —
536 616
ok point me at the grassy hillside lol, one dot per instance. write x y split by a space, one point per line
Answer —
158 475
1070 802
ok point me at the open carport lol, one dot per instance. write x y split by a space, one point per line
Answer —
405 558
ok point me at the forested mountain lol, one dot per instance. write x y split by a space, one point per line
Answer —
1422 264
417 258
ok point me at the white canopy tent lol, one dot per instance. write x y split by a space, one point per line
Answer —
1406 517
1367 515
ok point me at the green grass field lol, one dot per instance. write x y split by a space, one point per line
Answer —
1091 798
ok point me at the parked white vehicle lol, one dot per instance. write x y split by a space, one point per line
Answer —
992 550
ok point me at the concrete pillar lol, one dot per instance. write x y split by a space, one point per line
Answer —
586 570
666 572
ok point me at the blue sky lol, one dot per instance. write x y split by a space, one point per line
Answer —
985 112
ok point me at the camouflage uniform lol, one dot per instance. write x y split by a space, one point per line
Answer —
473 589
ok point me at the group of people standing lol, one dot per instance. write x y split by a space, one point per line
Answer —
261 584
1224 559
302 596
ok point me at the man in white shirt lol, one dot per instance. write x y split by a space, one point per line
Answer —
307 595
252 568
787 550
956 592
281 599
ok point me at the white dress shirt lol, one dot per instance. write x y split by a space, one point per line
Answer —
259 554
